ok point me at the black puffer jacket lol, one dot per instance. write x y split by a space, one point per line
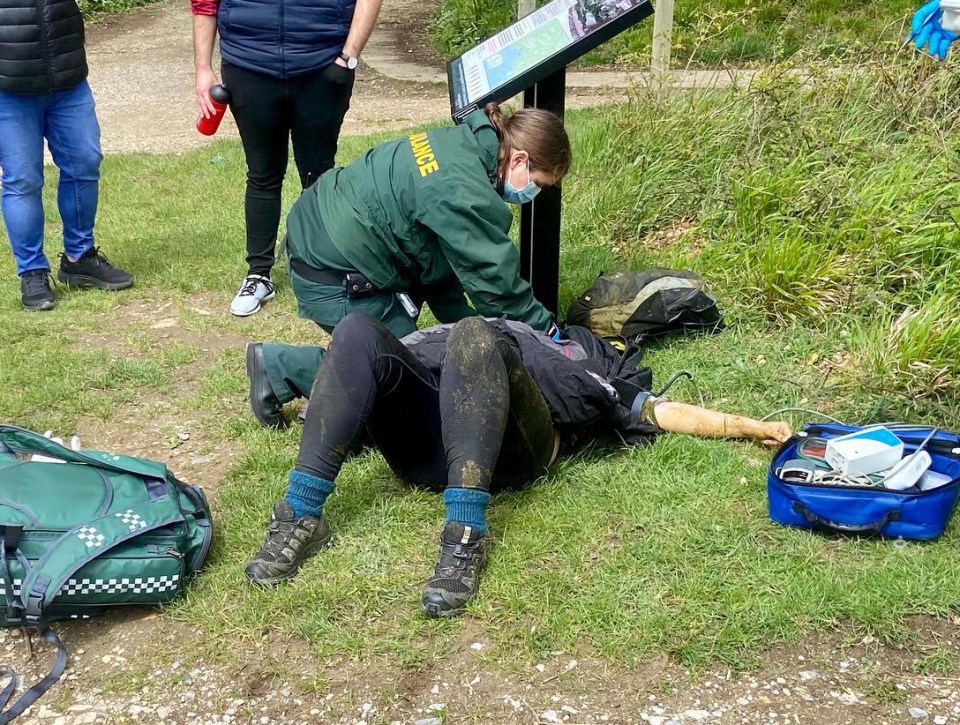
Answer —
41 45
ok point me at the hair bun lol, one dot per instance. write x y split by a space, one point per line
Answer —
495 114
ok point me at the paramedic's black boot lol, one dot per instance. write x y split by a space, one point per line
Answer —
93 269
35 292
456 577
290 542
264 403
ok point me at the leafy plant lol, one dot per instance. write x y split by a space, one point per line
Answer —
92 8
710 33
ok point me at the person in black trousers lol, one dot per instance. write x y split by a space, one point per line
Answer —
289 68
462 409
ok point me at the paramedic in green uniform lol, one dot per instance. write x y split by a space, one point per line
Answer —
420 219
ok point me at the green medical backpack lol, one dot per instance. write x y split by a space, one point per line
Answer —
90 530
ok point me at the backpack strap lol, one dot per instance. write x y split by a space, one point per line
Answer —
11 547
84 543
11 687
33 694
21 440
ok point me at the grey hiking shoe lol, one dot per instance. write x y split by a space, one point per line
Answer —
290 541
456 577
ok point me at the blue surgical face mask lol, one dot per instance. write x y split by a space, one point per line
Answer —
513 195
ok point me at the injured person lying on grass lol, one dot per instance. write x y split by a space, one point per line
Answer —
466 410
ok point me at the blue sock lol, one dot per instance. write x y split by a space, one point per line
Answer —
467 506
306 494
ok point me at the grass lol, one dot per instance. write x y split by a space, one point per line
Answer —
94 8
824 218
708 33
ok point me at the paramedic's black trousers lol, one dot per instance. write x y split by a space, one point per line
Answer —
481 421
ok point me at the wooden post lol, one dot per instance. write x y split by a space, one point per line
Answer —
524 7
662 30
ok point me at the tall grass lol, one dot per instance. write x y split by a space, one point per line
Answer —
710 32
918 349
826 201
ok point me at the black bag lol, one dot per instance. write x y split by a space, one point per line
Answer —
648 303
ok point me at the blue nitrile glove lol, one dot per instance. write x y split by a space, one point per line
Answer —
928 34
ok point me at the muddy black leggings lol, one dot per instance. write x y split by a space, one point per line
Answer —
481 422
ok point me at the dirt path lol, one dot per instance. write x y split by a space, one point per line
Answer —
141 71
142 75
138 667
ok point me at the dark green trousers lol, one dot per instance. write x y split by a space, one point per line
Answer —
293 368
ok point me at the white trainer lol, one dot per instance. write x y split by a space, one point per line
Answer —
254 291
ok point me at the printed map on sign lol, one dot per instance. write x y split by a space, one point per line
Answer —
516 58
527 43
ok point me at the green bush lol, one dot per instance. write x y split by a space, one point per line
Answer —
92 8
918 349
830 203
708 33
460 24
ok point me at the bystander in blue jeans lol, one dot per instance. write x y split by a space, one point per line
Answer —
68 120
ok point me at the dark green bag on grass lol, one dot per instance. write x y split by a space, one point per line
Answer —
93 531
647 303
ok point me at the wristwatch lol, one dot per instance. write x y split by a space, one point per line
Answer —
351 61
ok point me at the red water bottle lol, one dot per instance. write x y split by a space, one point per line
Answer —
221 98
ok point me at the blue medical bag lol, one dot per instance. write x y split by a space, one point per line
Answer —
868 510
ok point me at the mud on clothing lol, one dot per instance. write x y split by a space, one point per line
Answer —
477 420
466 405
587 383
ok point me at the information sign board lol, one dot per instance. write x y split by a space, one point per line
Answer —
535 46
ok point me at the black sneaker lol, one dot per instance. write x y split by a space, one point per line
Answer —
456 577
35 291
290 542
93 269
264 403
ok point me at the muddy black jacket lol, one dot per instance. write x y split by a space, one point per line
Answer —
41 46
587 384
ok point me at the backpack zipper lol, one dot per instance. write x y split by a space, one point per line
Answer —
870 489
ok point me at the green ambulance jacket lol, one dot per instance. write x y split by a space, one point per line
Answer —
422 214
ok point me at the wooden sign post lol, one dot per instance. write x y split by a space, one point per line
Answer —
662 32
